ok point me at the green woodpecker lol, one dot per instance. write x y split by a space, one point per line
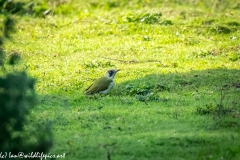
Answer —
104 84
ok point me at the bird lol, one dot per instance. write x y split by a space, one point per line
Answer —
102 85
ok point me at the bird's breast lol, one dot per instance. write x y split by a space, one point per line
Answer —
111 85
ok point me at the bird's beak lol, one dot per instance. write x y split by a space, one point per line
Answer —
117 70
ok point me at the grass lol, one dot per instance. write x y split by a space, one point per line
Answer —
176 96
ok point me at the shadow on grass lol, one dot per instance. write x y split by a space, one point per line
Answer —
213 92
210 79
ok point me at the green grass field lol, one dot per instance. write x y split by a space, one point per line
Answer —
177 95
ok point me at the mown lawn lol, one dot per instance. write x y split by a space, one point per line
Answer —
177 95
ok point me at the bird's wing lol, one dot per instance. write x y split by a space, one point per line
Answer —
88 87
97 86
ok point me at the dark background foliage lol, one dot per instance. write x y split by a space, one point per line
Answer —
17 98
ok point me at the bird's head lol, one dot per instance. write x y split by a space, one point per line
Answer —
111 73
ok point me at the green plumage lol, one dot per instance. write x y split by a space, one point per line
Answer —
99 85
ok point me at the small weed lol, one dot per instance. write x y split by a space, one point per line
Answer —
97 64
39 8
233 23
209 109
145 18
221 108
208 22
143 92
112 4
146 38
148 18
202 53
162 87
221 29
166 22
148 97
139 89
233 56
14 58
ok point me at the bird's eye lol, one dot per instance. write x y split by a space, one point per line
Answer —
110 73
